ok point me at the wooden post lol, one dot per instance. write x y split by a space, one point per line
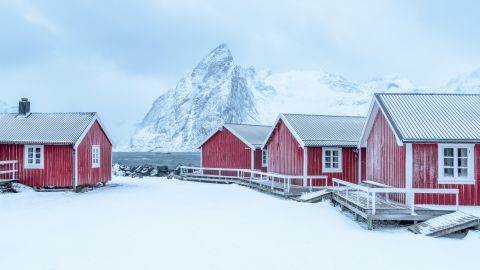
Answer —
456 201
370 223
412 198
373 203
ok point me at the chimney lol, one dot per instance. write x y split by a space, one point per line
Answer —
24 107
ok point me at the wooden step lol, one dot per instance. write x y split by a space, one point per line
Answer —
446 224
315 196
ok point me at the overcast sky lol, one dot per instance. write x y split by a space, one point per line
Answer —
116 57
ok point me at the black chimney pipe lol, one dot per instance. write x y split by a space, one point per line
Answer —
24 107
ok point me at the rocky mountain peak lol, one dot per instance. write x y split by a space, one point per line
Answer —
218 61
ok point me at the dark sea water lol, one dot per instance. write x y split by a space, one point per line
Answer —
157 159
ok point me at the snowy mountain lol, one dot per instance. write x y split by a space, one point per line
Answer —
219 91
469 83
5 108
216 91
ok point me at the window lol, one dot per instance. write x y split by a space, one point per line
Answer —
264 158
455 164
95 156
332 160
33 156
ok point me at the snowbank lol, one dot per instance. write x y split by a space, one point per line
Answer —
155 223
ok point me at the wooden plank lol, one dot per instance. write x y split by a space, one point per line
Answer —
9 171
445 224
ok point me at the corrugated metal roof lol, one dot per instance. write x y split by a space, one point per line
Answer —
42 128
433 117
253 134
326 130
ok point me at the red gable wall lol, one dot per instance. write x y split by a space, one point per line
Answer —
225 150
285 155
86 174
385 158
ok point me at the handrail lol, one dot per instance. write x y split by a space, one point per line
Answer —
268 176
255 171
408 192
8 162
11 169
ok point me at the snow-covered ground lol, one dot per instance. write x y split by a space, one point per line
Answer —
156 223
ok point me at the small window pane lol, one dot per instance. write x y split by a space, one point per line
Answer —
463 162
335 165
327 159
448 172
448 162
462 152
462 172
335 159
30 160
328 165
328 153
448 152
335 153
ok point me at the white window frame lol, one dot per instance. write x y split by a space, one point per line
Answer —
96 164
27 165
340 160
470 179
264 160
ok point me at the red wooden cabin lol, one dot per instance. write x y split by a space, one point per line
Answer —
235 146
315 145
425 141
54 150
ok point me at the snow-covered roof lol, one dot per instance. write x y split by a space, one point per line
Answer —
45 128
251 135
432 117
323 130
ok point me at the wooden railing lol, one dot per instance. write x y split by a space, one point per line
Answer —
8 170
371 193
310 181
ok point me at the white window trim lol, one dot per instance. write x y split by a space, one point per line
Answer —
96 165
25 156
470 179
340 160
265 164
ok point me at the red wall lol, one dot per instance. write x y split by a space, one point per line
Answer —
225 150
425 175
58 165
285 155
385 159
86 174
349 165
258 161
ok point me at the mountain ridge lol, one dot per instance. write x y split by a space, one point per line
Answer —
218 91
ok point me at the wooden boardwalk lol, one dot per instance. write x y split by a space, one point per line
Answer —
272 187
371 204
361 204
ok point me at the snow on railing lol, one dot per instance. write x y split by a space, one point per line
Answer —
311 181
371 193
8 168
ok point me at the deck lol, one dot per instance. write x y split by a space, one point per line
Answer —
373 204
362 204
371 201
